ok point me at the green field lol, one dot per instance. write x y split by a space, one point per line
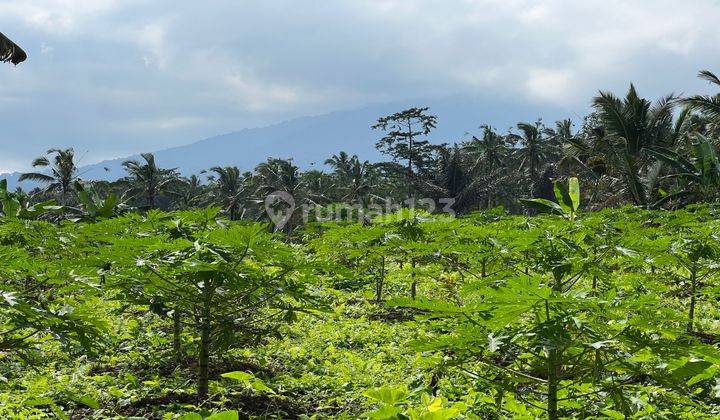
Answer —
189 315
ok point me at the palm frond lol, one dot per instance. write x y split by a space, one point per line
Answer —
36 176
10 51
41 161
709 76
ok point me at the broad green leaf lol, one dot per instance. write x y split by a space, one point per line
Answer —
543 204
224 415
387 412
238 375
388 395
259 385
574 192
563 197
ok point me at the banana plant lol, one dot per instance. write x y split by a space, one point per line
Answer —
567 197
13 208
701 171
94 207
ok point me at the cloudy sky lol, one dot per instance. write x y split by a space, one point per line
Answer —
113 78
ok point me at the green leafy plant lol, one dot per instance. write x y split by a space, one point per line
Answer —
568 199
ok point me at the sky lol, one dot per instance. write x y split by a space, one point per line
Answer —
113 78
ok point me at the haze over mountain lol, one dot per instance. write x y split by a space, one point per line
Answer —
310 140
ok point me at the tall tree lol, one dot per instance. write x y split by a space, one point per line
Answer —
10 51
359 182
340 163
404 140
63 172
149 180
707 104
457 177
230 189
278 175
281 176
189 192
533 150
490 150
631 125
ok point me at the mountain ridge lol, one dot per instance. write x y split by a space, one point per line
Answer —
309 140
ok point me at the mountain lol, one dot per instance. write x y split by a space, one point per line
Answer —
311 140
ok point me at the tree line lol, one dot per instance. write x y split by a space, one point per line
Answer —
628 150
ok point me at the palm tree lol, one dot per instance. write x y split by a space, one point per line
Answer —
230 189
341 163
63 173
533 150
352 176
491 149
320 186
700 171
278 175
457 177
188 193
631 125
359 183
148 179
708 105
10 51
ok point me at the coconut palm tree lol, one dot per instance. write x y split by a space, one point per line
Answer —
533 150
457 177
10 51
63 172
341 164
491 149
631 125
230 189
319 186
278 175
707 104
149 180
700 171
188 193
359 182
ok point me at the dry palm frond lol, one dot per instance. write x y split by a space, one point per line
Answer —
10 51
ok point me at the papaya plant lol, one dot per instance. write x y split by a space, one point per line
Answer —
231 283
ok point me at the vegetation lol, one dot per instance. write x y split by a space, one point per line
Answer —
604 314
629 150
10 51
576 276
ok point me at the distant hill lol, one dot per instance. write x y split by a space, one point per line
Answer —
311 140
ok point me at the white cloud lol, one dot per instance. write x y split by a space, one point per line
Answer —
59 16
151 38
555 86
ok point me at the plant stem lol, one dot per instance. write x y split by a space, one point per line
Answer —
693 299
204 356
177 330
